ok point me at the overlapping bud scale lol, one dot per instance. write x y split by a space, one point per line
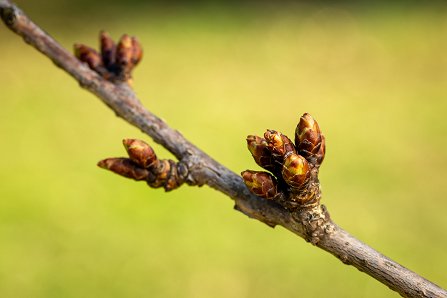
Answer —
262 184
141 153
124 167
295 171
260 152
309 140
279 145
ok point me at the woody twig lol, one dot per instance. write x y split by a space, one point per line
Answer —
288 196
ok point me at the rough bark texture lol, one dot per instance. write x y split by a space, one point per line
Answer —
313 223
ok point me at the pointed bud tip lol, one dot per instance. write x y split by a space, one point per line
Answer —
126 41
107 163
128 142
102 164
104 33
245 174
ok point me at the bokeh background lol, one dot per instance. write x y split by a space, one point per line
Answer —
374 76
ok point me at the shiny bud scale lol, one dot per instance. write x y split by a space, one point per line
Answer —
140 152
261 184
258 148
124 167
279 145
309 140
124 53
295 171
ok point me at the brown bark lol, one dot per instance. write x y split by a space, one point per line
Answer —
313 224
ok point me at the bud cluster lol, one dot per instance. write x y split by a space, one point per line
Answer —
293 181
115 62
143 165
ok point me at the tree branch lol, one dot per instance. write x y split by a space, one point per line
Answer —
312 224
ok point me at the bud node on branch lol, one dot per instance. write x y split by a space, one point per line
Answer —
144 165
116 61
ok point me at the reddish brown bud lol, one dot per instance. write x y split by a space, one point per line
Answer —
108 50
279 145
308 138
89 56
124 53
260 152
141 153
137 51
124 167
295 171
262 184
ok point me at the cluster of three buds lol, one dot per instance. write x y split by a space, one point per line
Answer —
292 164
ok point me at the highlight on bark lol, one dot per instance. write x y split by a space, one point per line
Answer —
144 165
115 62
293 181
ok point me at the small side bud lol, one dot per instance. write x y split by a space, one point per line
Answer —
258 148
279 145
108 50
89 56
141 153
262 184
124 167
295 171
137 51
308 138
173 181
159 176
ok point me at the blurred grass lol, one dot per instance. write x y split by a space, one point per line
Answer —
374 78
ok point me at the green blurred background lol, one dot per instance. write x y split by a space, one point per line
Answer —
374 76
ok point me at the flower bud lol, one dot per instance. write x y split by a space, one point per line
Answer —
124 167
279 145
262 184
259 150
108 50
124 53
137 51
141 153
295 171
89 56
308 138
